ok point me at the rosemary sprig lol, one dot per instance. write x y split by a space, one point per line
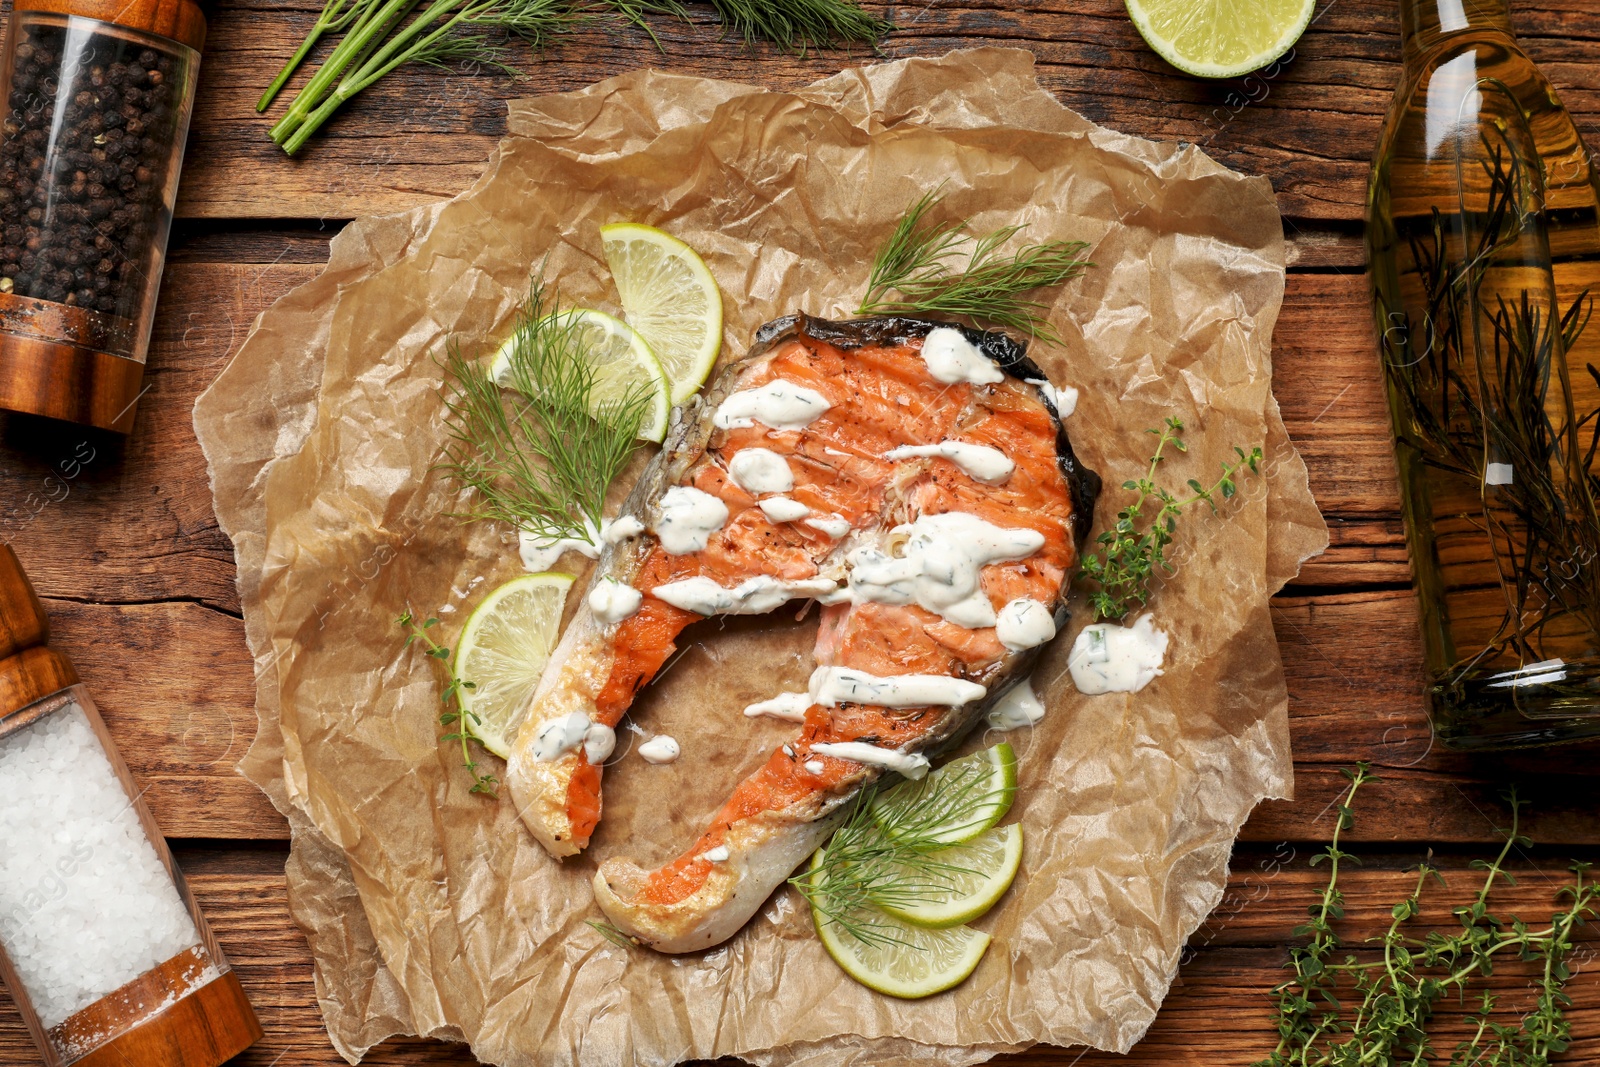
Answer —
886 852
455 714
611 933
1129 557
990 287
534 454
1400 991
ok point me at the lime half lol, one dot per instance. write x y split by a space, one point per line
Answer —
1220 38
670 297
503 650
953 804
622 361
981 872
900 959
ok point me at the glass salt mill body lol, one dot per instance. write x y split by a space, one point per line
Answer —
1484 254
101 945
93 120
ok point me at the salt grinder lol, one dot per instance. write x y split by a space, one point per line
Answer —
101 945
96 110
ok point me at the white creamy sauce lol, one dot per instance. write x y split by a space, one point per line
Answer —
541 553
1024 623
952 358
980 462
790 707
815 766
780 404
660 749
760 470
859 752
939 570
570 732
754 596
1019 707
1064 398
832 686
1107 658
782 509
689 517
835 526
612 601
616 531
719 854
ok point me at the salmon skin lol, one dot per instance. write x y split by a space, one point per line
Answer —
914 478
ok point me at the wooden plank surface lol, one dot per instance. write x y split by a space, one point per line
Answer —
139 579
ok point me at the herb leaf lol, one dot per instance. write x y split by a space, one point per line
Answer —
1130 557
989 288
1396 994
458 716
535 455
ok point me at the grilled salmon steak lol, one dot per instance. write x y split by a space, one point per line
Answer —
913 478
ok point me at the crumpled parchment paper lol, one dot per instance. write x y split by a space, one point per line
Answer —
430 910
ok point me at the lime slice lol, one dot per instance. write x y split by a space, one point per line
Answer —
987 865
622 361
1220 38
901 960
953 804
669 296
503 650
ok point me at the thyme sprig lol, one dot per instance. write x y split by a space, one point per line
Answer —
1397 994
1129 556
886 852
539 454
455 714
990 287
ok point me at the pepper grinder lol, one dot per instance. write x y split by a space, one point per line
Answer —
101 944
96 112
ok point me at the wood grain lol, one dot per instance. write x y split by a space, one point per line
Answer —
122 543
417 136
1217 1014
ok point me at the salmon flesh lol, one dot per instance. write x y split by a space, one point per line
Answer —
914 478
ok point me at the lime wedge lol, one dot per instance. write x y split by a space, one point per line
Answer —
1220 38
900 959
622 360
953 804
503 650
669 296
984 869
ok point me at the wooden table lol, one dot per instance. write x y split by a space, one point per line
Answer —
139 580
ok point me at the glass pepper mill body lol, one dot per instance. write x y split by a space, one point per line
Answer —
1483 251
93 122
101 944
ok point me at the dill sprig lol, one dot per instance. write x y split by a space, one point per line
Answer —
1129 557
887 851
989 288
380 36
800 25
456 714
1397 994
535 455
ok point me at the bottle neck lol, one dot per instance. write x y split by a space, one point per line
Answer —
1424 23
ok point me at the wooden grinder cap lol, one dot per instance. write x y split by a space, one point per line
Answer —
29 670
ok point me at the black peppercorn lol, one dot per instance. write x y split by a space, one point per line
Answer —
84 148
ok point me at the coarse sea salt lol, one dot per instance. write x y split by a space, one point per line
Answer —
86 905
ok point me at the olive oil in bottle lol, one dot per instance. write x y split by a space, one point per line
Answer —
1483 245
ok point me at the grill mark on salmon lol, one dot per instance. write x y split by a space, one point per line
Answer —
881 396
